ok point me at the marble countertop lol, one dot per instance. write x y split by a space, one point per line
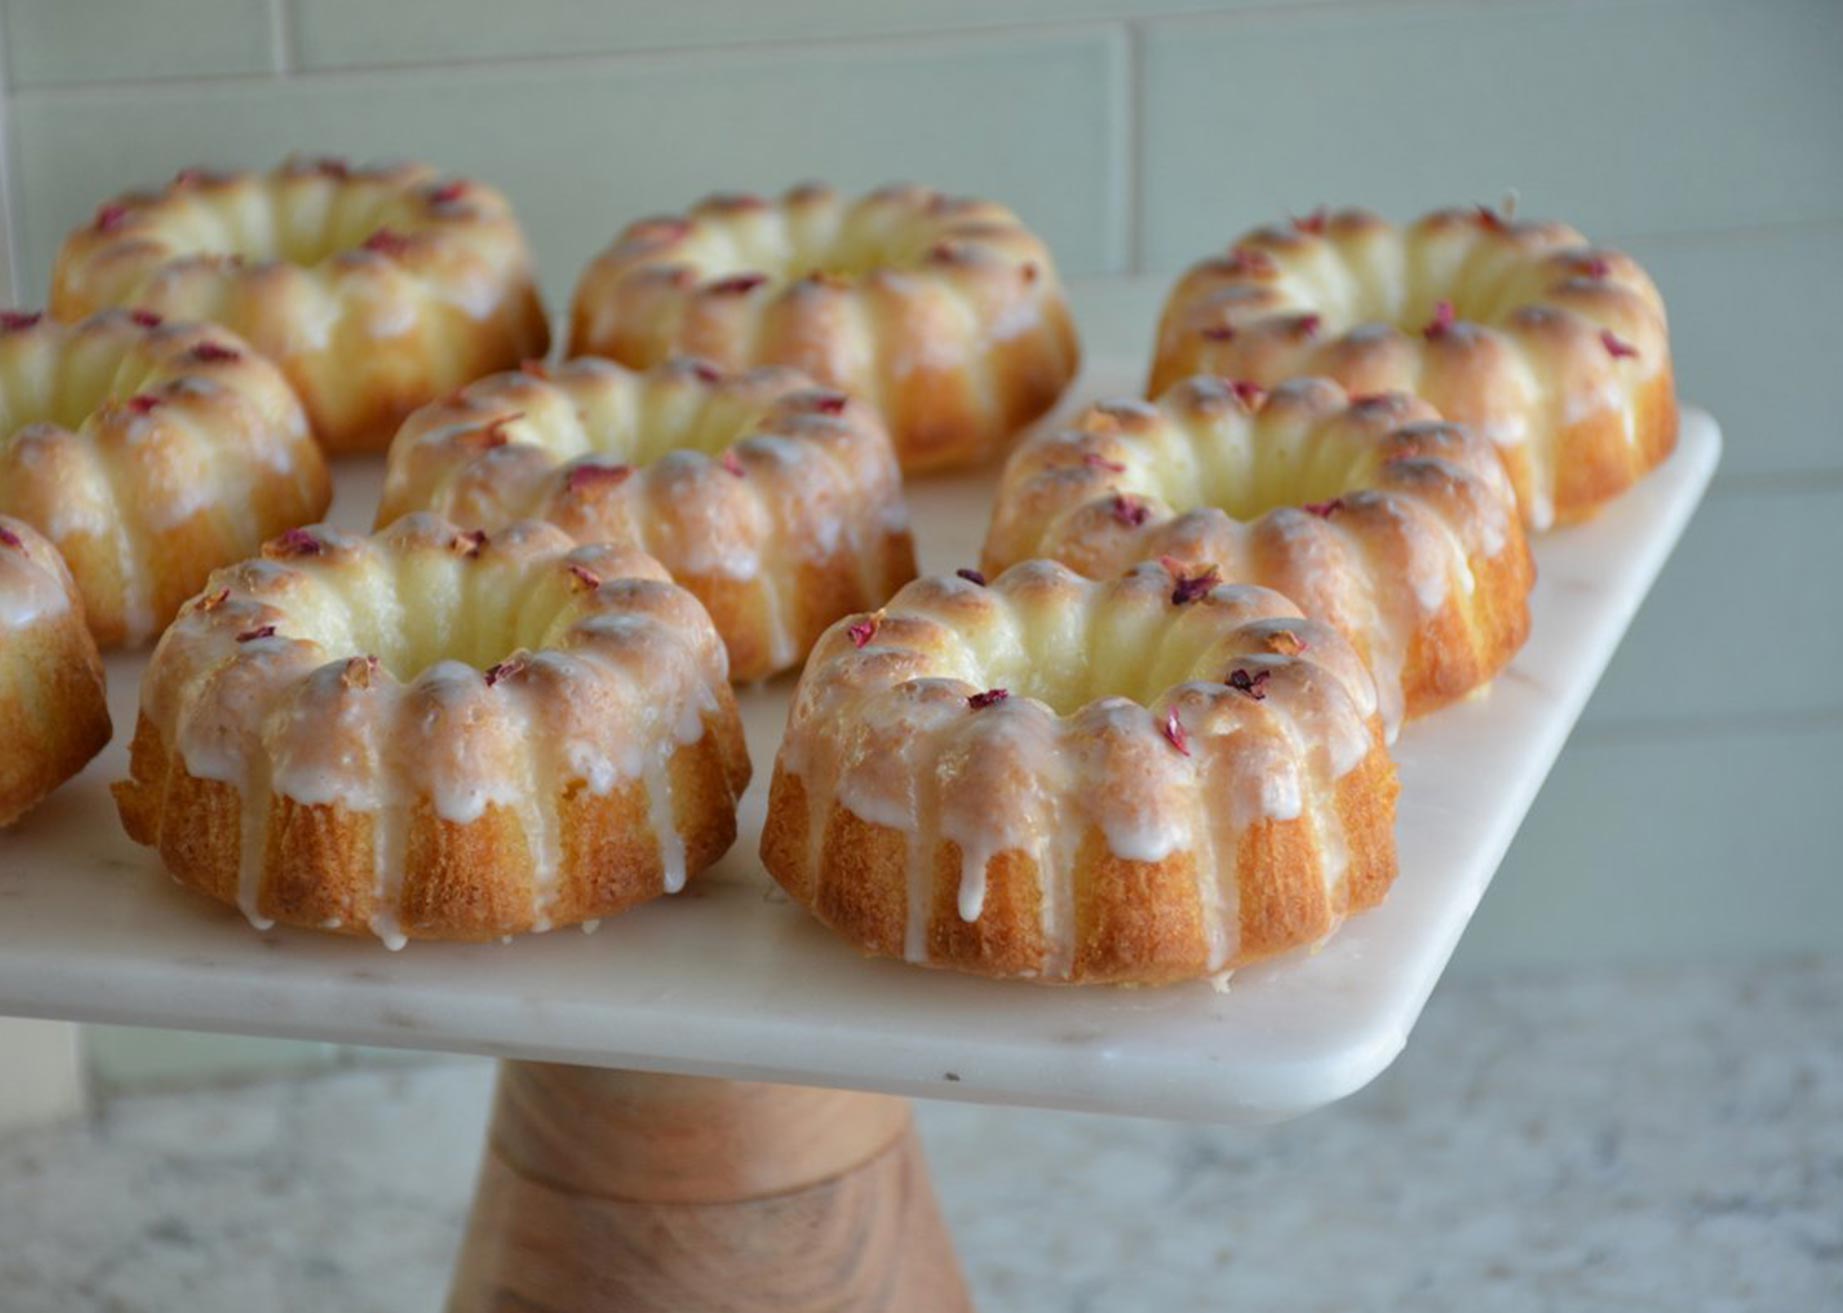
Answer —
1657 1140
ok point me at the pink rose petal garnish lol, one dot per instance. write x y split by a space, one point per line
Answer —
1442 322
1173 729
1129 511
214 353
507 669
863 631
1324 510
591 475
991 697
1095 461
585 576
13 321
1616 347
1254 686
972 576
251 635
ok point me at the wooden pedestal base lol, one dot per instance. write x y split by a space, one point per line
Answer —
627 1192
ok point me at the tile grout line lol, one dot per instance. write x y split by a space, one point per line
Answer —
937 40
1135 147
281 38
9 216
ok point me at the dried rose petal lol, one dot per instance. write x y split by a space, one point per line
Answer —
1307 325
332 166
1218 333
506 669
1616 347
214 353
251 635
1251 394
142 403
1441 323
736 284
980 701
1174 732
1095 461
585 576
448 193
468 542
10 539
1255 685
1595 266
1489 219
359 671
829 403
972 576
1287 642
111 217
494 430
944 252
212 601
534 368
863 631
1248 260
146 318
733 463
12 321
388 242
1324 510
1313 223
297 542
596 476
1193 587
1129 511
705 372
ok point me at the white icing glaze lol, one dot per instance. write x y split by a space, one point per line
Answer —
887 731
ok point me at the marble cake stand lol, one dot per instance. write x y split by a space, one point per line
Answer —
704 1102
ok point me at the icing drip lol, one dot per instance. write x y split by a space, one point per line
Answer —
899 732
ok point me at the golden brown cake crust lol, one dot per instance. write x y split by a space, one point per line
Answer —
1376 518
1241 811
374 288
945 314
150 453
1555 349
53 714
777 502
563 742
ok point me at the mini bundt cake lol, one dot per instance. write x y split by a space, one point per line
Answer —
375 289
1554 349
946 314
436 734
53 715
150 454
1396 529
1054 778
777 502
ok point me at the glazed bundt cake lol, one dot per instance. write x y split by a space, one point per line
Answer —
375 288
1048 777
776 502
434 733
1553 348
53 715
945 314
1396 529
150 454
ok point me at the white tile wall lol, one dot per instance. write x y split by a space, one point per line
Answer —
1692 815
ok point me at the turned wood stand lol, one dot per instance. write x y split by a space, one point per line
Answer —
636 1193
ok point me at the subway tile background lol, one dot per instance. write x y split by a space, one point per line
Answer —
1693 814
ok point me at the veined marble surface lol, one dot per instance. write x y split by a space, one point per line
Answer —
1658 1140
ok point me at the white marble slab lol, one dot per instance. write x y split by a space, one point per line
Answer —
729 979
